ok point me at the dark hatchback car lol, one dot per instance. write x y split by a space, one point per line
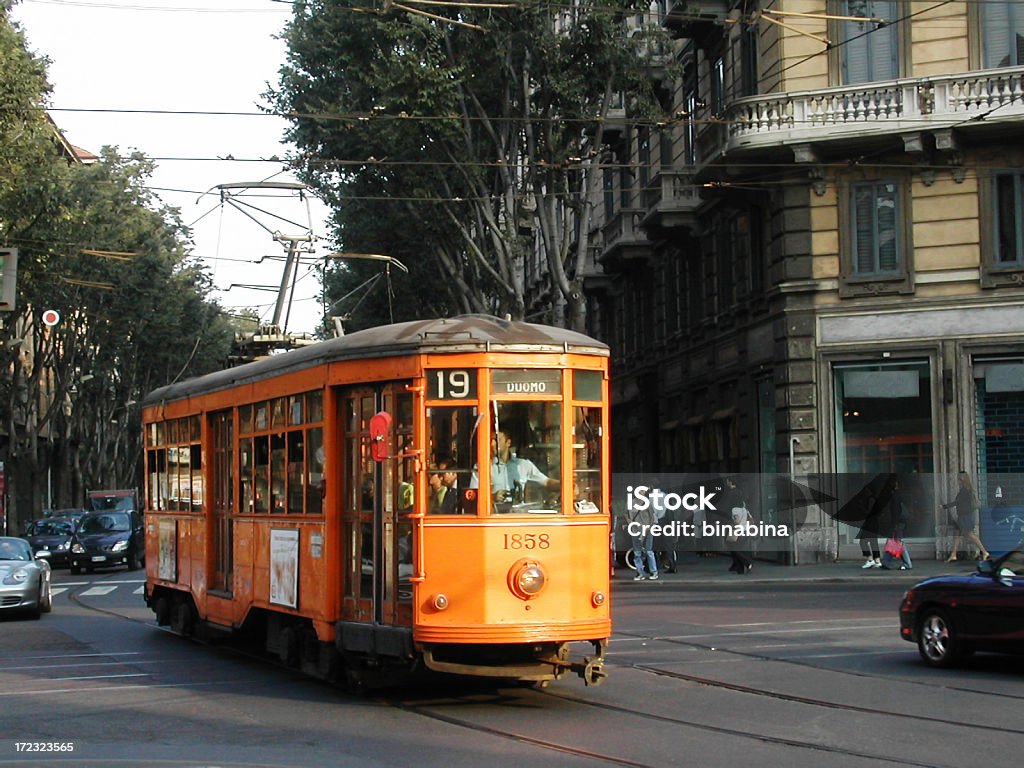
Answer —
107 539
53 536
950 617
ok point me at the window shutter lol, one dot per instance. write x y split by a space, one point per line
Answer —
872 52
863 230
886 203
995 34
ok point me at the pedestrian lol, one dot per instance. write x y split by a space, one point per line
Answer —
639 522
965 519
873 511
733 507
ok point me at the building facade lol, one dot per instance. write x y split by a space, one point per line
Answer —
817 265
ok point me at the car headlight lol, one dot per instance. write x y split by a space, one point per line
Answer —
78 549
121 546
63 545
19 576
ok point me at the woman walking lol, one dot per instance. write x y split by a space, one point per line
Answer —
966 518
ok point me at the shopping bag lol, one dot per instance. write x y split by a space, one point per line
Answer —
894 547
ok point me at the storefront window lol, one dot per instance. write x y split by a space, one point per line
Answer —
883 427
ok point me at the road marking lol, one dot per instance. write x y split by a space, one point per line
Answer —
57 590
98 591
101 677
140 591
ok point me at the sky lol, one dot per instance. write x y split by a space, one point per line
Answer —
194 56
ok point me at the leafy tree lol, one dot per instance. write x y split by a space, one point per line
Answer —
467 133
94 245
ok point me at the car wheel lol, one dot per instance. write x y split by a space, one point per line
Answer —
133 562
46 599
937 640
75 570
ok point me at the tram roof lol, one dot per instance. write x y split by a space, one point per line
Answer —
464 333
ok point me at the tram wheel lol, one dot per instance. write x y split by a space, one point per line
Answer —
182 620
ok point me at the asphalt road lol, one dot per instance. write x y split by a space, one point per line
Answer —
733 672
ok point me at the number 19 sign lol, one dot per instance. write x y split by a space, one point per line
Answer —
451 384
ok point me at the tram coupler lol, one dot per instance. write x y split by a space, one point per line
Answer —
591 669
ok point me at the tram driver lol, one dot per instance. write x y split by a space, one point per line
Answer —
510 473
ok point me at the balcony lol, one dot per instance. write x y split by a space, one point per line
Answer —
869 110
696 18
625 240
671 200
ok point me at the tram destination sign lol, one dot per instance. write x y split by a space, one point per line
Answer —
526 382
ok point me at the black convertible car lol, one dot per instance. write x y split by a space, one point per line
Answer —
950 617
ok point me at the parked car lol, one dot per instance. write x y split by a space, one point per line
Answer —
24 579
52 535
106 539
950 617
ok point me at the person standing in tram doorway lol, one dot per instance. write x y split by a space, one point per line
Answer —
965 519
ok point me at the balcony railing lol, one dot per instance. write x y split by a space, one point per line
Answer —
671 199
867 109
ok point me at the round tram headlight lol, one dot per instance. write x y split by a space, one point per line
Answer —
439 601
526 579
597 599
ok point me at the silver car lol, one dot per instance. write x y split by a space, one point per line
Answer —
24 579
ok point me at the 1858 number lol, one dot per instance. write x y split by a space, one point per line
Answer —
527 541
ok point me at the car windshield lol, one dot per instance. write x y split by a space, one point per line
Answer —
105 523
15 549
51 528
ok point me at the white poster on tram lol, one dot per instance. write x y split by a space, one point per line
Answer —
284 567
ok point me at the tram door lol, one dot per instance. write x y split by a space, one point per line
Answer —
377 502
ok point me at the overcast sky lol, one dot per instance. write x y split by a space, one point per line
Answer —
186 56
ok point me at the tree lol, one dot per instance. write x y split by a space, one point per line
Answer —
94 245
469 131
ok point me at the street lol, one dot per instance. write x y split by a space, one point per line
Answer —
713 673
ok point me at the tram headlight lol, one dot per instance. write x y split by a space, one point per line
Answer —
439 601
597 599
526 579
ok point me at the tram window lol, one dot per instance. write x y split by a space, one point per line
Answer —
586 385
157 470
294 410
278 406
452 444
196 465
245 420
277 462
314 482
586 453
314 407
526 448
296 464
261 473
245 458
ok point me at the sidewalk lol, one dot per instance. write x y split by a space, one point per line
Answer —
704 570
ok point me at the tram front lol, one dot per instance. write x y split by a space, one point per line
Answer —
512 558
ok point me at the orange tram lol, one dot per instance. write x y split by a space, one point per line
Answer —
431 494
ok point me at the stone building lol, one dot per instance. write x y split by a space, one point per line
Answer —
817 266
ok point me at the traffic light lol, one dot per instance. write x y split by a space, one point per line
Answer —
8 278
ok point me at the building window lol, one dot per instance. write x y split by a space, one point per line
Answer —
875 232
1009 227
1002 231
748 60
869 50
874 229
1002 35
